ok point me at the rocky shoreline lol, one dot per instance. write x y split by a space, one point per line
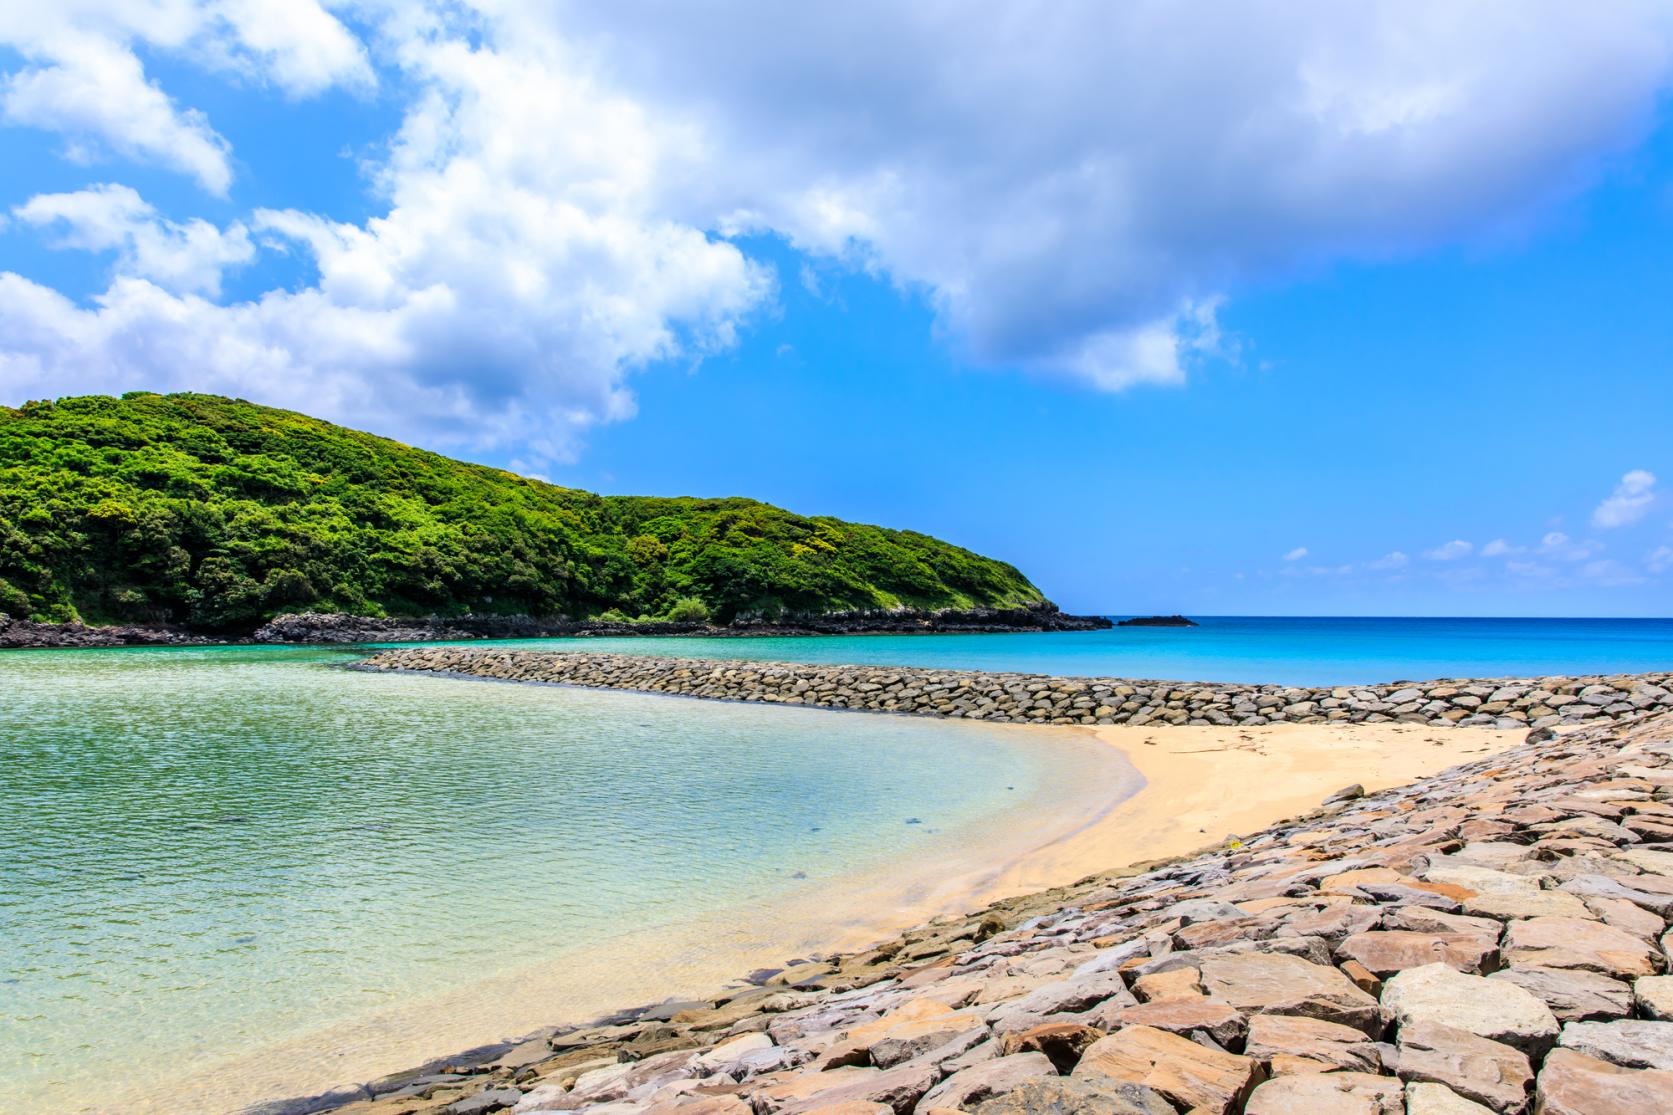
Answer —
1507 703
1491 939
336 628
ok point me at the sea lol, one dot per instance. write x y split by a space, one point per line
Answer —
231 874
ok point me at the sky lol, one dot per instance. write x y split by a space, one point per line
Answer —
1223 309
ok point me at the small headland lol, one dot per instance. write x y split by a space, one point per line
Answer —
337 628
1157 621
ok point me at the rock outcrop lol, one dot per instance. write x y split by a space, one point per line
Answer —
1507 703
1255 954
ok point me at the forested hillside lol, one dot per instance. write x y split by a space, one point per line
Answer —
218 514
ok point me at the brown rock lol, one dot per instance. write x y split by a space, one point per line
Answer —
898 1088
1488 1072
1174 984
1573 995
1290 1043
1183 1016
1067 1096
1572 1083
1328 1093
1190 1075
1574 943
1268 983
1062 1042
968 1087
1384 952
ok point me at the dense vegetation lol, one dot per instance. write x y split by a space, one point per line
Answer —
218 514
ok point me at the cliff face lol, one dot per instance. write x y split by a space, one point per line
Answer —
218 515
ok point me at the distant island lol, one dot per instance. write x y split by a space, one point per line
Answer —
1157 621
187 517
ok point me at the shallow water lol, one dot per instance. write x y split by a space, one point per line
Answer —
207 852
1254 649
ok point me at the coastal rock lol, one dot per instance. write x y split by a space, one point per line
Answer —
1328 1093
1488 1072
1000 697
1270 983
1499 1011
1437 1099
1069 1096
1572 1083
971 1086
1630 1043
1573 995
1190 1075
1290 1043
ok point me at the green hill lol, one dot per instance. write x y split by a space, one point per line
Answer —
218 514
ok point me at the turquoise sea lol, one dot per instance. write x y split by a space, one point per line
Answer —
240 856
249 871
1281 650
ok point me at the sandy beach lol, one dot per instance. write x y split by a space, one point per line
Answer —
1169 791
1203 784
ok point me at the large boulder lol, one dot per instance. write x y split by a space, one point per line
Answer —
1290 1043
1573 995
1273 983
1630 1043
1487 1072
1572 1083
1067 1096
1492 1009
1328 1093
1190 1075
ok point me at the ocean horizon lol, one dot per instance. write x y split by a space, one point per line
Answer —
1286 650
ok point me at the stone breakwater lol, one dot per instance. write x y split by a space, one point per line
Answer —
1039 699
1491 939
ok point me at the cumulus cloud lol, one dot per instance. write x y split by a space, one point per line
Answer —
84 80
1074 188
95 92
1072 183
1629 502
1660 559
1450 551
1500 548
1296 554
181 257
1389 562
520 272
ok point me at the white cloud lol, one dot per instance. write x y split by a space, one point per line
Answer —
1500 548
1560 546
1073 190
84 80
188 257
520 272
1450 551
95 92
1660 559
1389 562
1071 185
1296 554
297 44
1629 502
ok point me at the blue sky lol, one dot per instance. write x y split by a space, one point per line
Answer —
1322 314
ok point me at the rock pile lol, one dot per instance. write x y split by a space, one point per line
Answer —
1493 939
1039 699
